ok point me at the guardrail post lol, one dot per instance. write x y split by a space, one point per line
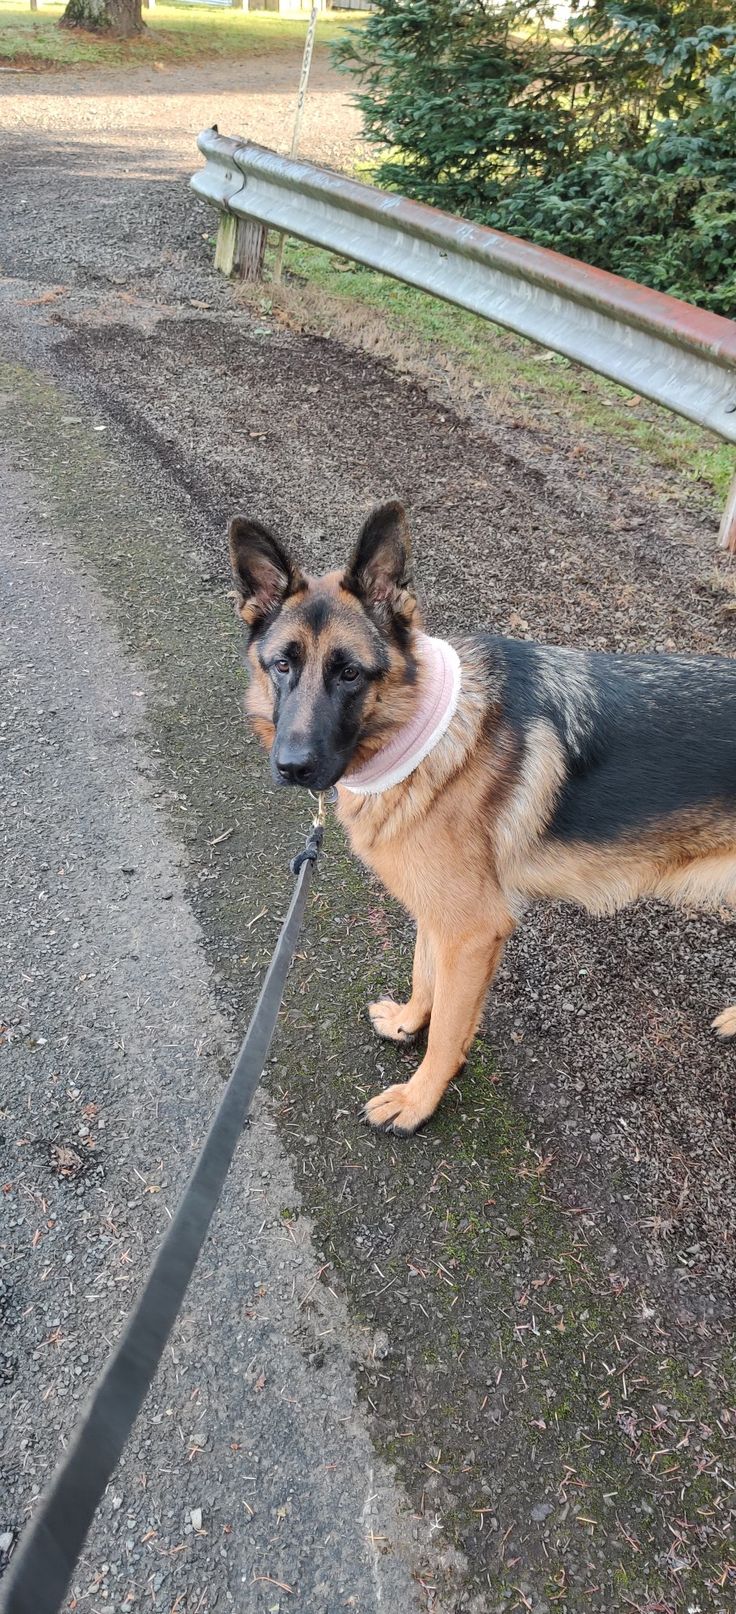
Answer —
727 534
240 247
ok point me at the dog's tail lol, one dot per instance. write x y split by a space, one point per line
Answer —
725 1023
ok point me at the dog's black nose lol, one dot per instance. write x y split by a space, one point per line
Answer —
295 765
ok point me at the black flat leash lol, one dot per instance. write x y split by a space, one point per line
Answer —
43 1565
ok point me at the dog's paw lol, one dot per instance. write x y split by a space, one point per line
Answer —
398 1109
387 1018
725 1023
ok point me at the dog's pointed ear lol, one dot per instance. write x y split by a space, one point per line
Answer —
264 573
380 569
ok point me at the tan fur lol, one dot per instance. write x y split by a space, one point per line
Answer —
462 844
690 862
522 819
386 708
725 1023
428 840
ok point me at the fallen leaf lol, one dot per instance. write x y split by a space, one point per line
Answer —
65 1161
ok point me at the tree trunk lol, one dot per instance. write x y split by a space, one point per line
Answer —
119 17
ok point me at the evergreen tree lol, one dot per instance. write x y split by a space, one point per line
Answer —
612 138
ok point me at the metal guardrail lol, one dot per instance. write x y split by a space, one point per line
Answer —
678 355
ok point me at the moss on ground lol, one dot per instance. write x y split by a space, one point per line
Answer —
530 1401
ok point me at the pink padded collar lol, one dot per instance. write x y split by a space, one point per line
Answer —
441 675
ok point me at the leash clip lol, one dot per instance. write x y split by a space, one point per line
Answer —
324 799
314 839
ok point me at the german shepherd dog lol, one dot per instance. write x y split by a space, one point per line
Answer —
477 777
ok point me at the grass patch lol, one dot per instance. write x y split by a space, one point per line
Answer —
173 33
522 381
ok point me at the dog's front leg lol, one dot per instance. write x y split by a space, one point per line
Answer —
725 1023
464 968
401 1021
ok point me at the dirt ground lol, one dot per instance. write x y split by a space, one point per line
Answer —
551 1264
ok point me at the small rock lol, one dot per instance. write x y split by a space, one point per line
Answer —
196 1518
541 1511
381 1346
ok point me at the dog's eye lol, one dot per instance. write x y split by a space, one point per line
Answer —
282 665
350 674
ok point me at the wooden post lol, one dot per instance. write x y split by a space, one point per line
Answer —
278 262
240 247
727 534
34 5
250 249
225 244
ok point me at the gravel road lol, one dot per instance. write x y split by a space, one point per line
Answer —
155 113
511 1336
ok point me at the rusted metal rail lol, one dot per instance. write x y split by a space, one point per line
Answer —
667 350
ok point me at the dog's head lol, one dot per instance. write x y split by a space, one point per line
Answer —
331 657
